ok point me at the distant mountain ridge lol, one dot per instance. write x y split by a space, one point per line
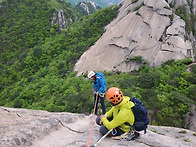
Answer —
155 30
86 8
98 2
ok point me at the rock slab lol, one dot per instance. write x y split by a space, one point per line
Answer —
36 128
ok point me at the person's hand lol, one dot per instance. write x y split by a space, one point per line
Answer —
101 116
94 92
100 122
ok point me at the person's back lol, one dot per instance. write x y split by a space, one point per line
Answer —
100 83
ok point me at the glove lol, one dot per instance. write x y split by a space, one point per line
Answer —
101 94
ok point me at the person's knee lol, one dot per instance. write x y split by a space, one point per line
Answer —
103 130
98 119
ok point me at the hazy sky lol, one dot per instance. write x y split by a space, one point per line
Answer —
101 3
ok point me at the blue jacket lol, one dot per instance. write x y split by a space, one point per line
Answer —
99 84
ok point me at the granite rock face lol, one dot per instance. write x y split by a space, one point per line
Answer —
148 28
59 18
85 6
36 128
190 119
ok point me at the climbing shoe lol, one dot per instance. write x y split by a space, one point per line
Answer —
128 136
132 135
123 136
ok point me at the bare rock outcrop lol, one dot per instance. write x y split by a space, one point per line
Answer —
148 28
85 6
59 18
190 119
36 128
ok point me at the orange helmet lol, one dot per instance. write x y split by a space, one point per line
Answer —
114 95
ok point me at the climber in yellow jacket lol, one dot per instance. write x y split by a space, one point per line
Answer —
118 115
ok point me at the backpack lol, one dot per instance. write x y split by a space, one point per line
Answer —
100 75
140 113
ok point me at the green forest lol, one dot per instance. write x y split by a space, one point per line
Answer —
37 61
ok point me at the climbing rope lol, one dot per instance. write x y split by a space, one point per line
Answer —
99 110
101 138
88 144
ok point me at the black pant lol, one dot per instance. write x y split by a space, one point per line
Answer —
103 130
102 99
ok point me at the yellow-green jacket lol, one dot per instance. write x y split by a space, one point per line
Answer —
121 114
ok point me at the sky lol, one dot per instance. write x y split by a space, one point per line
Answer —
101 3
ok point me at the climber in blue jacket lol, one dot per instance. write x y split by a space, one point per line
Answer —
99 88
